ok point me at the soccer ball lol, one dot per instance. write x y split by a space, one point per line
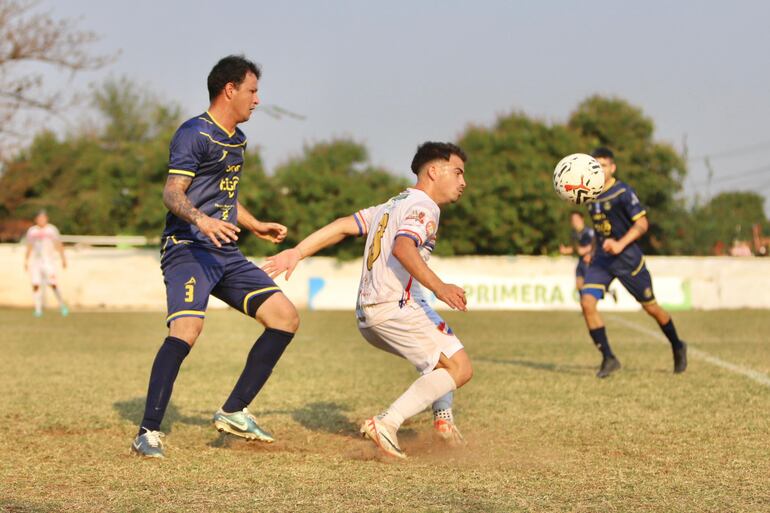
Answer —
578 178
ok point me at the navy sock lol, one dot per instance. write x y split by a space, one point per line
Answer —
599 335
265 353
670 331
164 371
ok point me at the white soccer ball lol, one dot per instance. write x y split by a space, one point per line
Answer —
578 178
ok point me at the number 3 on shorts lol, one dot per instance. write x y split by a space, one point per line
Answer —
376 248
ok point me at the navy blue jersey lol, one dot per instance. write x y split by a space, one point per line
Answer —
213 157
613 213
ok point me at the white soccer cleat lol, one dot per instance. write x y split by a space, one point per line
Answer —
448 432
382 436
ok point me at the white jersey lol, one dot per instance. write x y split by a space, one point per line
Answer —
385 285
43 242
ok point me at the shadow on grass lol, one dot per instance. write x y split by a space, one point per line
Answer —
546 366
13 506
325 416
133 411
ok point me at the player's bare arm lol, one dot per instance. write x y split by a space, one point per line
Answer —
176 200
324 237
405 251
639 228
273 232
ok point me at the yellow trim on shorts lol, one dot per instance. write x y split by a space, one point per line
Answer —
640 214
254 293
184 312
594 286
181 172
650 302
639 268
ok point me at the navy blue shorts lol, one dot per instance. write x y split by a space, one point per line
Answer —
581 269
192 273
638 282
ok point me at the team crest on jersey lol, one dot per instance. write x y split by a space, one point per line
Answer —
648 292
430 228
607 205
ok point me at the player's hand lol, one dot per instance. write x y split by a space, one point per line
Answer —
565 250
613 247
452 295
217 230
272 232
284 261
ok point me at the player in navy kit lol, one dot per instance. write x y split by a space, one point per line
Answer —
200 256
619 221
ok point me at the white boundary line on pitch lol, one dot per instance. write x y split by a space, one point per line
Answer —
759 377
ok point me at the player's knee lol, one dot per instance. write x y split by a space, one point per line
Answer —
587 303
279 313
187 329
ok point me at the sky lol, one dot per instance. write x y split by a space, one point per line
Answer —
393 74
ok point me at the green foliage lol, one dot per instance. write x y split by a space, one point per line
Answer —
328 181
727 217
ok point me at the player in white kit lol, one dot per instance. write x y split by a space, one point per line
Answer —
42 242
392 313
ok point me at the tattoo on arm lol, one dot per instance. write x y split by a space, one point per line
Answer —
176 200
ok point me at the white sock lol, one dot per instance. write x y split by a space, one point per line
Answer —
38 295
420 395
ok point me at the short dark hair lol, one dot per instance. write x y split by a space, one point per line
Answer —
232 68
602 152
576 213
429 151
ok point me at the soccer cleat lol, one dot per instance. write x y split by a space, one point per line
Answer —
38 313
242 424
680 359
148 444
609 365
377 432
65 311
448 432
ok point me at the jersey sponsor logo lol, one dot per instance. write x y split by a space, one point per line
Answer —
233 168
225 209
229 185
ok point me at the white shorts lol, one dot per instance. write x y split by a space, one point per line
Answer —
41 271
416 333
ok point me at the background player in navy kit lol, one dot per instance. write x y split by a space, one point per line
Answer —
200 257
619 220
582 244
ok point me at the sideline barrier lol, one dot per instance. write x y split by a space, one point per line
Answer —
131 279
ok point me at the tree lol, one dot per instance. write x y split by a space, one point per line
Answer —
33 43
329 180
728 216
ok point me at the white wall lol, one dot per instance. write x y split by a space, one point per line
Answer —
131 278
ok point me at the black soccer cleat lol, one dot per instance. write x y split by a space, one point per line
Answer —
680 359
609 365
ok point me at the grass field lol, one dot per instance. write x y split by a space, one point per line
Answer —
544 434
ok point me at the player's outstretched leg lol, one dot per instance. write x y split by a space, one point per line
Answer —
443 421
38 294
449 374
164 371
666 323
62 305
598 334
281 321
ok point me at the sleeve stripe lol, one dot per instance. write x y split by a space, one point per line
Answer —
640 214
360 228
363 221
180 172
404 231
410 236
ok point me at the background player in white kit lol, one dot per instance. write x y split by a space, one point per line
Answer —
392 314
42 242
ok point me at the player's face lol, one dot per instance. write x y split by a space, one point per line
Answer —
577 222
245 98
608 166
41 220
451 179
